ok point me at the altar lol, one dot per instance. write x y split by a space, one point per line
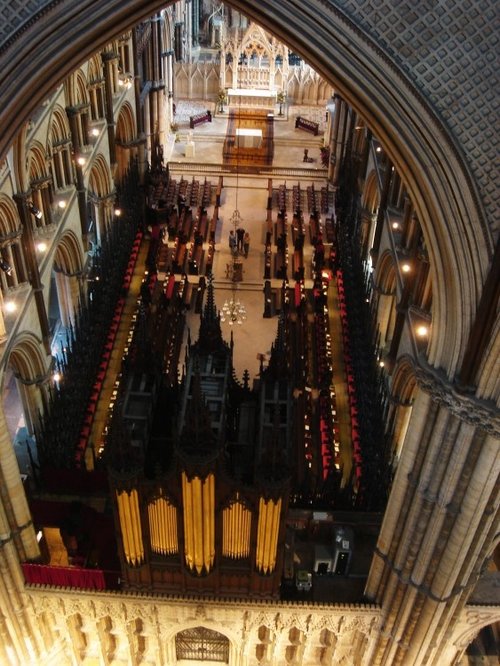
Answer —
248 138
251 97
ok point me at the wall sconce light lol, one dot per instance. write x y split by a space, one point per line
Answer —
35 211
395 226
118 212
94 131
10 306
61 204
81 161
422 331
406 268
378 149
41 247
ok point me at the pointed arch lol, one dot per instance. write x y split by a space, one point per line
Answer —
101 195
125 136
31 369
94 70
100 180
11 250
125 125
403 391
68 256
59 149
37 167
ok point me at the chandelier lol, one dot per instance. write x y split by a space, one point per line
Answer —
233 311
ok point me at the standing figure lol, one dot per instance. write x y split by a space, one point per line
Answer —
240 233
246 243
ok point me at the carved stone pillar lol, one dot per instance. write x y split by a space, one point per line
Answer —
438 522
110 61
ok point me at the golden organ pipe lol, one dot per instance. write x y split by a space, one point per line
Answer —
211 478
206 522
197 524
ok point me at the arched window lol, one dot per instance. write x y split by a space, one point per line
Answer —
12 267
42 187
96 89
60 151
202 644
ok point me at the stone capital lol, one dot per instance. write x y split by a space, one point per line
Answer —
468 408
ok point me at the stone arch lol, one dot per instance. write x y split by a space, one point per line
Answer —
59 149
80 88
445 196
14 272
204 635
477 618
403 391
125 135
42 194
28 363
386 288
96 87
101 195
67 267
371 195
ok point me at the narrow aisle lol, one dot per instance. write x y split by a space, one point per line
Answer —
339 382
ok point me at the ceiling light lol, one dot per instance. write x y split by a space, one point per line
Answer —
10 306
406 268
41 247
81 161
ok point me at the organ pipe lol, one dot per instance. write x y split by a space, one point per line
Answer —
267 534
130 524
163 526
236 521
199 522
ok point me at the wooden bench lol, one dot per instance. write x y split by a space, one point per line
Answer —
205 117
308 125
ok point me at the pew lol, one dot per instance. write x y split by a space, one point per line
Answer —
308 125
198 118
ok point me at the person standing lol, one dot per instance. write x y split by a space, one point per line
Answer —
240 233
246 243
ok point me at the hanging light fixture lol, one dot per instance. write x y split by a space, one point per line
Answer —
233 311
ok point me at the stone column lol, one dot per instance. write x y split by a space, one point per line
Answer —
3 330
438 521
109 61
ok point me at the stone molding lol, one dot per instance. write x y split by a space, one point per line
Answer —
468 408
